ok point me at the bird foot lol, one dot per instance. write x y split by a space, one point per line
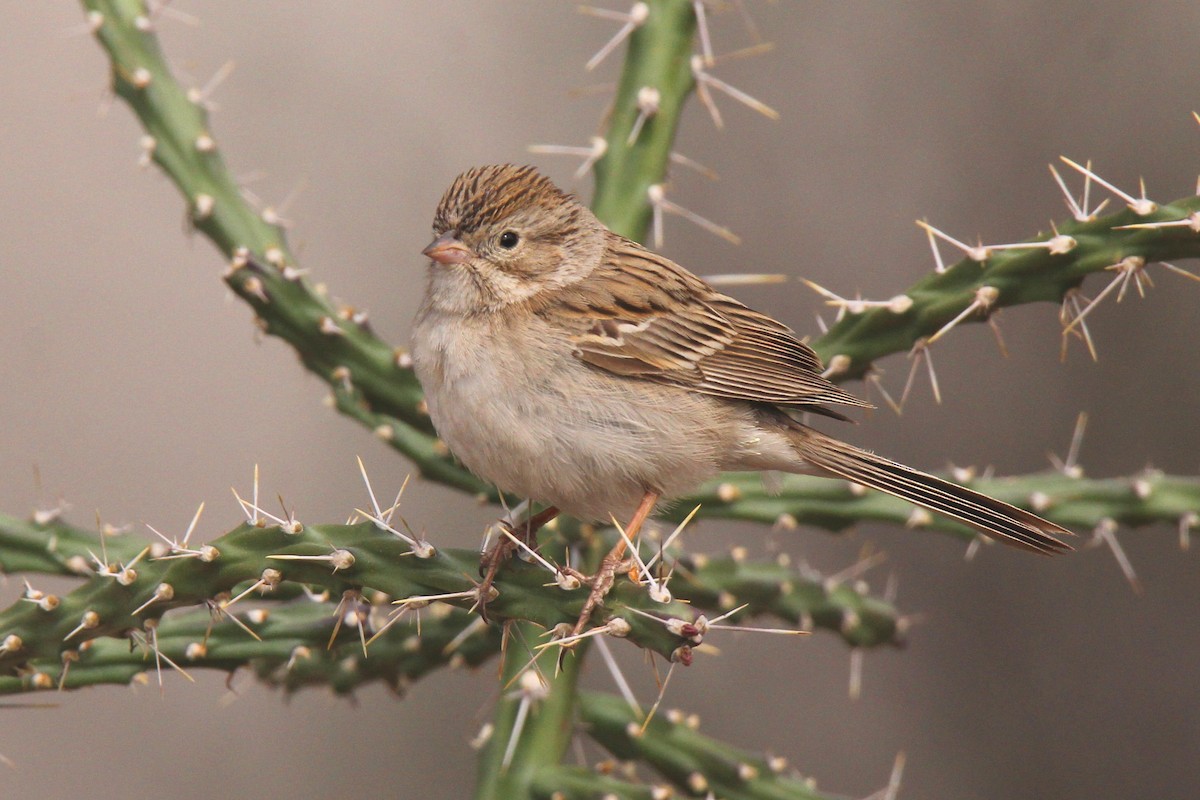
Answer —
489 565
601 583
503 549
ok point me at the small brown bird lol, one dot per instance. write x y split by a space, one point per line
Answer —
567 364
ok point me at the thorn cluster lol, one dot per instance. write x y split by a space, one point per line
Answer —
631 21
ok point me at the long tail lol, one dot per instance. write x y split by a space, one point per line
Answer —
997 519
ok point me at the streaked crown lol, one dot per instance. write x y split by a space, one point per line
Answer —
482 196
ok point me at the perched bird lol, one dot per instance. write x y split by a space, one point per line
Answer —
567 364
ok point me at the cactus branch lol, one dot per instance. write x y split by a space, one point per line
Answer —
1074 502
658 64
362 559
1010 275
580 783
295 648
532 720
695 764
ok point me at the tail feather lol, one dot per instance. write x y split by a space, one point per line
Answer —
995 518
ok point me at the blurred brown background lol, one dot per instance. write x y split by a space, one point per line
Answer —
139 388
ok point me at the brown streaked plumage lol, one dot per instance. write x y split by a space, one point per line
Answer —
640 315
567 364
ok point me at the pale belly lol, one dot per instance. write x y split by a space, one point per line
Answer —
545 426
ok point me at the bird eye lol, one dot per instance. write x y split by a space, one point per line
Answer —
509 239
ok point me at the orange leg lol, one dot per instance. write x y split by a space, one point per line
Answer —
603 581
528 532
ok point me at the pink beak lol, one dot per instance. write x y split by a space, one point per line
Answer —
447 249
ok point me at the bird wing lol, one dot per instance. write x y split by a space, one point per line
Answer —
641 315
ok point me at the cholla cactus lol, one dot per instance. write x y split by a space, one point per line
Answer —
341 605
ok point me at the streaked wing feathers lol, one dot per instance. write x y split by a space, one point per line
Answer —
639 314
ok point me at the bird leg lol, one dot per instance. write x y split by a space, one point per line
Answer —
613 563
503 549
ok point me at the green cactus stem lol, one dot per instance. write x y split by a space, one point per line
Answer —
363 559
658 61
1010 277
580 783
296 648
695 764
1075 502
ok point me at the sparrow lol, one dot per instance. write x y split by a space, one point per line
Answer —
567 364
